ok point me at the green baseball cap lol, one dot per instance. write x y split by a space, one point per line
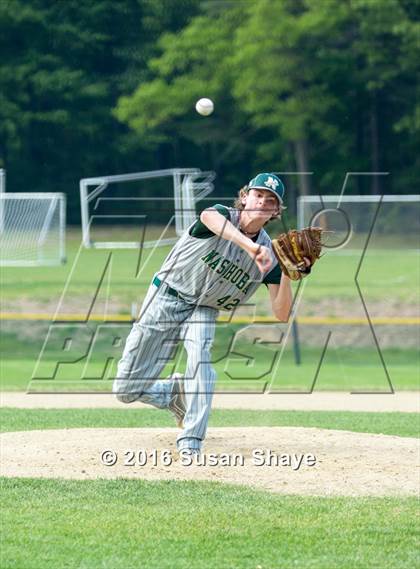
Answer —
270 182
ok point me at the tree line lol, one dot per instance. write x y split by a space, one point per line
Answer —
105 87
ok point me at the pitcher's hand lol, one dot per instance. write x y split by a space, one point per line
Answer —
262 257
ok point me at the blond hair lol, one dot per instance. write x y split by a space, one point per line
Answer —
237 204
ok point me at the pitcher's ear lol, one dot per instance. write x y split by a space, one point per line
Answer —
244 193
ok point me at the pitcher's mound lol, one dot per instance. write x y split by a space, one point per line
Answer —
279 459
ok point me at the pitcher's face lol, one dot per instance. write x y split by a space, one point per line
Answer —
261 204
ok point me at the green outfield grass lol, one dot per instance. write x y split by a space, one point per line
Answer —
173 525
363 374
333 277
127 523
16 374
349 372
250 366
399 424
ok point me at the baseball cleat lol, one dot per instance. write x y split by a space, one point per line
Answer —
177 405
189 456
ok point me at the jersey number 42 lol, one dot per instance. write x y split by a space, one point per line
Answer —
230 305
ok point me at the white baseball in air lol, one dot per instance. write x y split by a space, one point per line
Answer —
204 106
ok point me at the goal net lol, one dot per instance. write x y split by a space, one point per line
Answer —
359 309
32 229
377 222
142 209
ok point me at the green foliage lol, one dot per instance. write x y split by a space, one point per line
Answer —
191 64
64 64
323 72
109 87
290 94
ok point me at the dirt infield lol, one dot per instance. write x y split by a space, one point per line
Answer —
346 463
405 401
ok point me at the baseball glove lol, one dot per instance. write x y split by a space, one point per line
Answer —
292 247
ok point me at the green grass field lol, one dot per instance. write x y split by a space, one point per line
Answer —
127 523
173 525
129 276
342 369
242 365
126 281
399 424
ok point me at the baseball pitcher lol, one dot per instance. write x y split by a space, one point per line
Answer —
217 264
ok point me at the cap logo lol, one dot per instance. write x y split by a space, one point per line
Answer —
271 183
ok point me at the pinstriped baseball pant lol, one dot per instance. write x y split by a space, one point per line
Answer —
164 321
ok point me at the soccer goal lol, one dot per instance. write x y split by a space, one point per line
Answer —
2 180
32 229
142 209
382 222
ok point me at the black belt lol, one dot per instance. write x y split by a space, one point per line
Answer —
157 282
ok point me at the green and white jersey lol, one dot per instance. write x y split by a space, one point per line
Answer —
208 270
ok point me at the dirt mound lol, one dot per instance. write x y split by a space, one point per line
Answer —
279 459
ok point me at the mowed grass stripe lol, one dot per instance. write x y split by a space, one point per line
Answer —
348 369
172 525
333 276
395 423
